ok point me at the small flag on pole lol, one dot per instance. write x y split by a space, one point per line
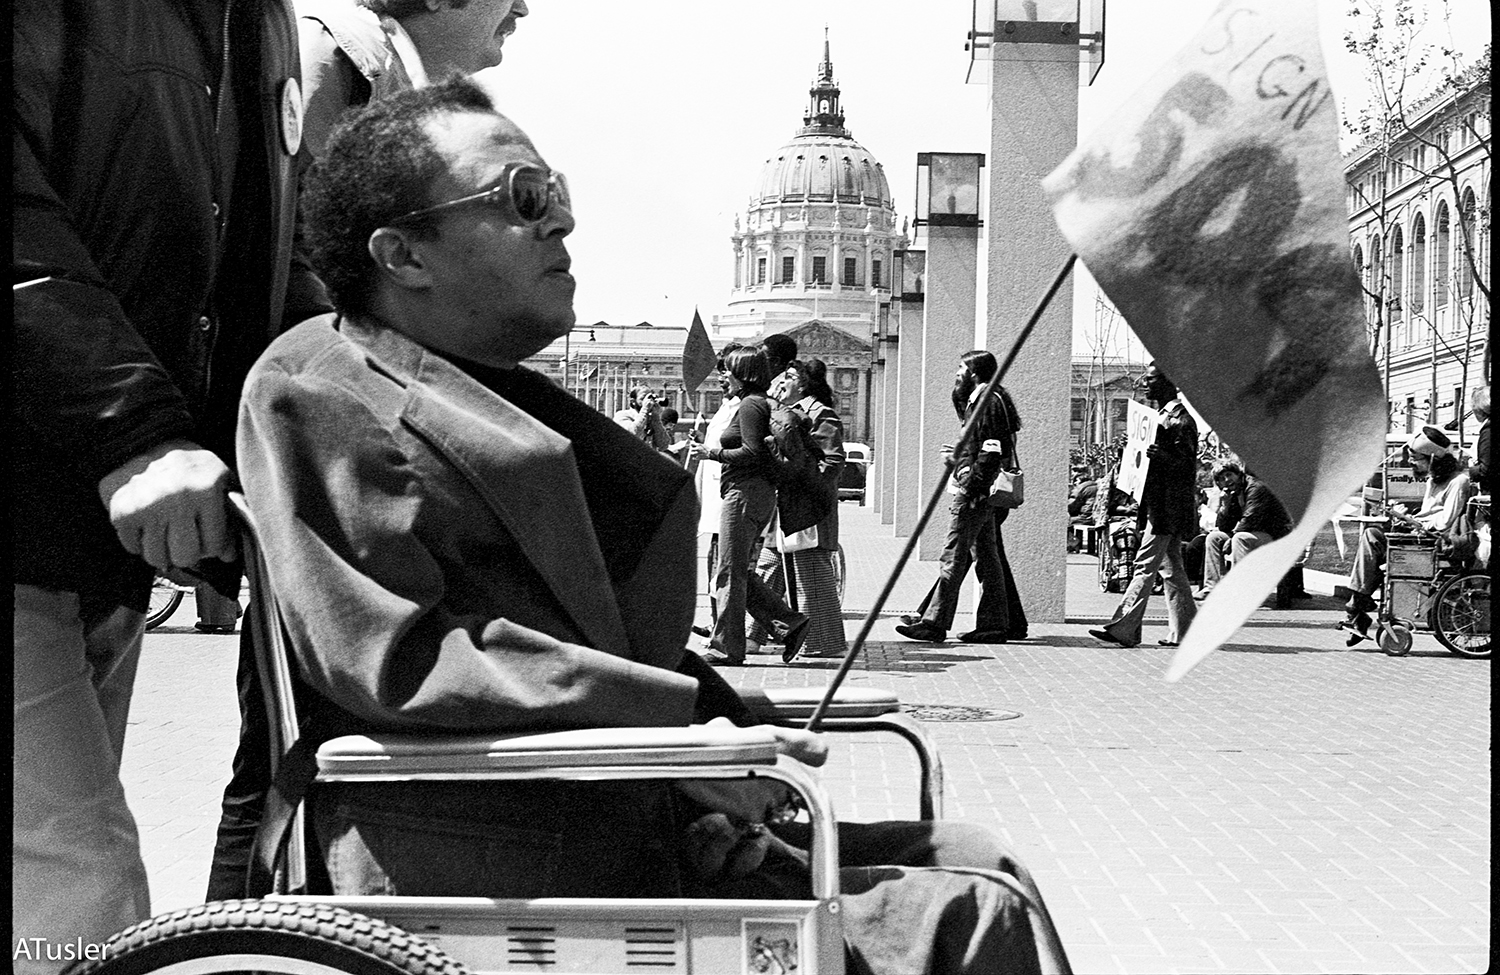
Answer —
698 358
1211 210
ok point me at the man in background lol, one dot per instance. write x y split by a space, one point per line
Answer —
1258 518
643 419
1167 518
354 53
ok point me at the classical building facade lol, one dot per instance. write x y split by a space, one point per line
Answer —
1419 227
812 252
1101 387
601 363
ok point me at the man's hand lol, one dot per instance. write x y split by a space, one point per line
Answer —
1153 451
168 505
732 841
755 800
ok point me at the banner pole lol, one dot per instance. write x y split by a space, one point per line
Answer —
937 495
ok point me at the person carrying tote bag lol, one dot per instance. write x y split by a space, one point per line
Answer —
812 552
974 536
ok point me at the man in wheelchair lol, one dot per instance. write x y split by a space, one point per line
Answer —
1443 501
460 545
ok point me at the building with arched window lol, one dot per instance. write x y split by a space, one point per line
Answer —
1419 227
813 250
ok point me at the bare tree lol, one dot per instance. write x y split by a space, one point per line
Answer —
1422 121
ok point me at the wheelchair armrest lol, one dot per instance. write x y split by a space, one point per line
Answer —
856 709
776 705
482 755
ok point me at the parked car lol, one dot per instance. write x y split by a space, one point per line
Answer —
856 471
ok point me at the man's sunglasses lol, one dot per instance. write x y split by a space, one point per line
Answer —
525 196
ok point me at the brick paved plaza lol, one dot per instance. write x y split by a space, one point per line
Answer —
1291 806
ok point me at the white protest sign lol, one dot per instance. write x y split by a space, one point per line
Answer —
1141 423
1211 210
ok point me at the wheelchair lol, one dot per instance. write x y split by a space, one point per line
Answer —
166 596
1438 584
294 931
1117 545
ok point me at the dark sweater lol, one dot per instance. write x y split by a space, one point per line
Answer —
743 450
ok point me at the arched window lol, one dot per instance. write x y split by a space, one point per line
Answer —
1443 244
1377 266
1418 265
1398 279
1468 214
848 176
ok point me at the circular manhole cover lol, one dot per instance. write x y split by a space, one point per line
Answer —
957 712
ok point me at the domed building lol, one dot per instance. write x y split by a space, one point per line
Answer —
812 256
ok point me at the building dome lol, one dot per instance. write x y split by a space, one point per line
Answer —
818 236
823 168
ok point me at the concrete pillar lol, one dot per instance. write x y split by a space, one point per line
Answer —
874 496
906 458
1033 127
947 333
890 379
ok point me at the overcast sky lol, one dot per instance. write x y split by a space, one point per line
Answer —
662 114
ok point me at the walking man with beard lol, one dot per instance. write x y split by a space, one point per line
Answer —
974 532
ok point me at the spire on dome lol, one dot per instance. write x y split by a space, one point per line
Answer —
824 116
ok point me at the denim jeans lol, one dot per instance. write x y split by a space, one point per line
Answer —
77 871
974 539
746 511
915 896
499 839
1223 546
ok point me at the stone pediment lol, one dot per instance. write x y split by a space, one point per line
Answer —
817 339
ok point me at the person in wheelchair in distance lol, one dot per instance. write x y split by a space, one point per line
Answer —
461 545
1443 501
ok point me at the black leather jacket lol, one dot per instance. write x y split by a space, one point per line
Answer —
974 467
152 254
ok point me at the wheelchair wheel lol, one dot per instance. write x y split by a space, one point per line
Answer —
1461 615
841 572
165 598
1395 639
267 936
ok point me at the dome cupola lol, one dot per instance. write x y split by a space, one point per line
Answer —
823 163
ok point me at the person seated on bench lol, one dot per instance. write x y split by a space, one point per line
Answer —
1442 505
460 545
1249 516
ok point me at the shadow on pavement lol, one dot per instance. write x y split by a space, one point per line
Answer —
924 658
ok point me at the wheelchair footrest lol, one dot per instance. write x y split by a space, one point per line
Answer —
577 936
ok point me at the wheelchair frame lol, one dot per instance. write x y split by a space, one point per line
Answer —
1428 594
296 932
